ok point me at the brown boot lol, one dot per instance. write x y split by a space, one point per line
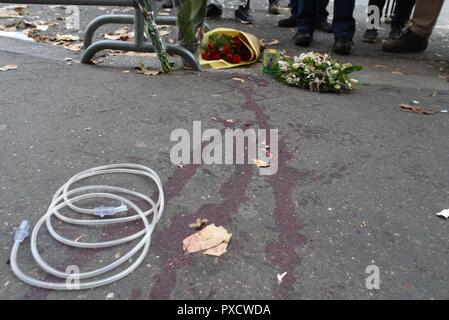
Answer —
409 42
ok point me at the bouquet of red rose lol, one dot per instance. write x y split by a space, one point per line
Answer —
226 47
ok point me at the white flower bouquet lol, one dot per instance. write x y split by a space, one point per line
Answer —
314 71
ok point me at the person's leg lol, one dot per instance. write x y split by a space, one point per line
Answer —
306 16
426 16
290 22
323 14
241 11
371 32
343 25
274 7
402 12
417 36
305 22
214 8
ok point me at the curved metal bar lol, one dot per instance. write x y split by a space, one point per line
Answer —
119 19
187 56
102 20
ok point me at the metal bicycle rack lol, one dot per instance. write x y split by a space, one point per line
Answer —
139 44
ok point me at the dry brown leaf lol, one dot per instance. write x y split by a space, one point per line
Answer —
261 163
415 109
8 67
66 37
207 239
141 69
218 250
273 42
164 32
12 11
238 79
199 223
119 34
76 47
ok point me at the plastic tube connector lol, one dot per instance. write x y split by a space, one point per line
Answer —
110 211
22 231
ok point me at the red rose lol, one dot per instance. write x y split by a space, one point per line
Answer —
226 49
217 56
210 46
229 58
236 58
205 56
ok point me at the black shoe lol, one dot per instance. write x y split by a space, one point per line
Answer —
242 15
395 33
343 46
409 42
370 36
289 22
213 11
303 39
168 4
324 26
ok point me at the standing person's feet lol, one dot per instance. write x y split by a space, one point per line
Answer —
324 26
395 33
303 39
274 7
167 4
343 46
242 15
213 11
370 36
289 22
409 42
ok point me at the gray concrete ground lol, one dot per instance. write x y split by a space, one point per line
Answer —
359 180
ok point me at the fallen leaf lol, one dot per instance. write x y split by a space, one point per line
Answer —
238 79
119 34
229 121
110 295
199 223
273 42
163 13
416 109
79 238
66 37
164 32
211 237
280 277
8 67
261 163
76 47
141 69
397 73
126 71
444 213
12 11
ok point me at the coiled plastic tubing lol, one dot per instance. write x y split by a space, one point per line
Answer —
67 197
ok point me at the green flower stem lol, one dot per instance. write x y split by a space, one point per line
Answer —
147 8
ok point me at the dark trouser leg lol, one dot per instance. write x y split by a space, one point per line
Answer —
306 17
344 22
294 7
402 13
322 11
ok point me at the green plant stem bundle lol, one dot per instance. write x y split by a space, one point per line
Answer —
147 8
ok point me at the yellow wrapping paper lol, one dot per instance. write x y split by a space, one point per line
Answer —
249 40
